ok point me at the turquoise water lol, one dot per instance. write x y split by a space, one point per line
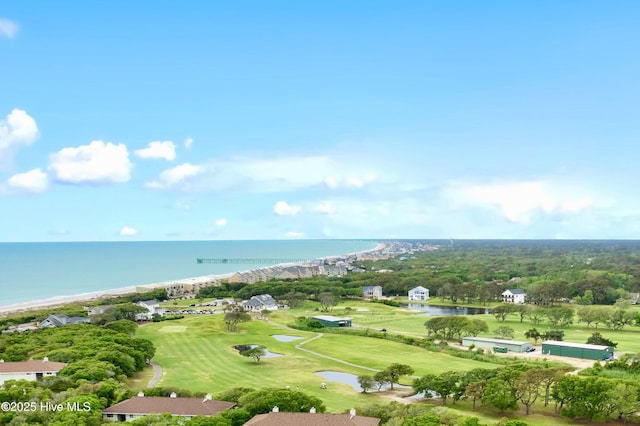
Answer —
33 271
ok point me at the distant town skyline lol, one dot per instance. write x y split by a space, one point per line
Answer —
274 120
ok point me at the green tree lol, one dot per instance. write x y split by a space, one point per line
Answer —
328 301
256 353
527 387
504 332
476 326
395 371
533 334
381 378
501 311
366 382
597 339
499 394
232 319
475 391
263 401
536 315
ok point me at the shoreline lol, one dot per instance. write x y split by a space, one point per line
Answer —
58 301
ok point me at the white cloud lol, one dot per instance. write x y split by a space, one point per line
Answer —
127 231
157 149
323 208
182 206
96 163
175 176
8 28
221 222
19 128
188 143
33 181
518 201
282 208
281 174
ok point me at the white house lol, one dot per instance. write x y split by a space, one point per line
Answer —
419 293
260 303
152 307
32 370
372 292
514 295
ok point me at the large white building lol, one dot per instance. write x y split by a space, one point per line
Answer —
514 295
32 370
419 293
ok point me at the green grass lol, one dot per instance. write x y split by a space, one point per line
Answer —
200 356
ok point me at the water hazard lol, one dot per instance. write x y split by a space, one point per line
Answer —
285 338
350 379
443 311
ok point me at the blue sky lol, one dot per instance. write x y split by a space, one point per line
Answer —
155 120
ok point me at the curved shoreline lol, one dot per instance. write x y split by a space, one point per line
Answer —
57 301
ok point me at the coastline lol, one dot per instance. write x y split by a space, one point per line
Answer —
58 301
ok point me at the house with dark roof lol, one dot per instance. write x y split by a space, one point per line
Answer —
276 418
514 295
260 303
59 320
140 406
32 370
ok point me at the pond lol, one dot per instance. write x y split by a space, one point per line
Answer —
443 311
350 379
285 338
267 354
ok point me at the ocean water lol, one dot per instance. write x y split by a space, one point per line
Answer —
34 271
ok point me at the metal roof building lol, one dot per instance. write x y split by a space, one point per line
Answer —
487 343
331 321
576 350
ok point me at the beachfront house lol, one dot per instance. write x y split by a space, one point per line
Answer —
260 303
140 406
59 320
152 307
419 293
514 295
32 370
372 292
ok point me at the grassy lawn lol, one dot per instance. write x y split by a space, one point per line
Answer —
379 354
200 357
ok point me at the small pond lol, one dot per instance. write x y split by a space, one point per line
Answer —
285 338
267 354
443 311
350 379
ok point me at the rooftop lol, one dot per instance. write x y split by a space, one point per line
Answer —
575 345
31 366
177 406
310 419
330 318
501 341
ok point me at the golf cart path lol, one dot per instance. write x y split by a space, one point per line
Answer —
317 336
157 374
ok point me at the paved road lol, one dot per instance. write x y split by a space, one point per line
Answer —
157 374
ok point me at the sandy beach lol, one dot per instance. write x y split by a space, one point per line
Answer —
53 302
